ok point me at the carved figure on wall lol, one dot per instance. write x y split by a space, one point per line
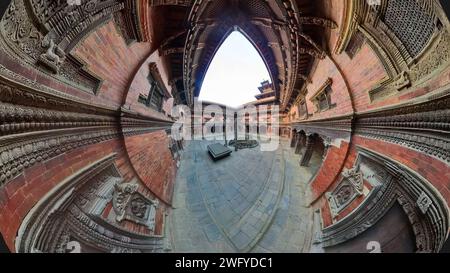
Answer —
131 205
53 57
350 187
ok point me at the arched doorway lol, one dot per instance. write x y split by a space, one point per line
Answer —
398 238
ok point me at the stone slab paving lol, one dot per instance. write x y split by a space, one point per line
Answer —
291 227
252 201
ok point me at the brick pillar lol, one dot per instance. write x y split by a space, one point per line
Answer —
235 132
308 151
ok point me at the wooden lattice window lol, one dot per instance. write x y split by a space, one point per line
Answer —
155 97
156 100
410 23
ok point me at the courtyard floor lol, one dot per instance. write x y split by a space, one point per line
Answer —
251 201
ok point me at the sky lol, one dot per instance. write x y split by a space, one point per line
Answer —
235 73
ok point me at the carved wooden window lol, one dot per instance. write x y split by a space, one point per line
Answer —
412 25
142 99
154 99
322 98
302 109
355 44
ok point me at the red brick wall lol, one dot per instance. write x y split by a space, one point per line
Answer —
325 213
140 84
362 72
120 66
330 170
22 193
352 81
340 95
108 56
152 160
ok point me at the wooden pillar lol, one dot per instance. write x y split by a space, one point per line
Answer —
299 145
293 139
304 161
235 132
225 128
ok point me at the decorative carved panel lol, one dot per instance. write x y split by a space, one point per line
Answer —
131 205
350 187
427 211
73 216
410 38
43 37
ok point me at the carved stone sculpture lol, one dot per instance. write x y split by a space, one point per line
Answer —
355 177
131 205
424 202
350 187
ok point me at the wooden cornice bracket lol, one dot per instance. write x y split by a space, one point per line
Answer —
327 23
313 52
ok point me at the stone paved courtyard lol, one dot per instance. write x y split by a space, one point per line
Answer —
252 201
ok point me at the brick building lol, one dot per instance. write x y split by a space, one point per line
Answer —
88 162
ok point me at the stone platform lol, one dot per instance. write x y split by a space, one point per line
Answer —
218 151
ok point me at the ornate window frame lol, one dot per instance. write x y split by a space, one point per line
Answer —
300 101
158 92
323 93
